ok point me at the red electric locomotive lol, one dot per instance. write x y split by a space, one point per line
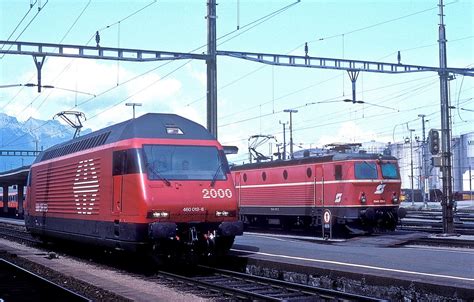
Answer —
158 183
360 190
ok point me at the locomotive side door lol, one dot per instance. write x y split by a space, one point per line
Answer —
319 186
237 183
118 164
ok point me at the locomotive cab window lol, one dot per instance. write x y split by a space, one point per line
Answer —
126 162
365 170
338 172
176 162
389 171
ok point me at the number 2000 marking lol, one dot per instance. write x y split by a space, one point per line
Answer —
219 193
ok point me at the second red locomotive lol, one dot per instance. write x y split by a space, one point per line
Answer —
360 190
158 183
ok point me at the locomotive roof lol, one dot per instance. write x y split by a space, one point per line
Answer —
313 159
150 125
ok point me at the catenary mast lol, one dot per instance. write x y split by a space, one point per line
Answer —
447 203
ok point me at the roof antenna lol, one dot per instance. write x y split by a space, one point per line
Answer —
68 117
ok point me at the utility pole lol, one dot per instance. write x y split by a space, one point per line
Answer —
447 202
291 111
411 168
424 184
211 63
284 139
470 182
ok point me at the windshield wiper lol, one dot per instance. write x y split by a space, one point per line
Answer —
161 177
373 167
214 178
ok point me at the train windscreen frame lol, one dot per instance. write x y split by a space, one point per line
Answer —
389 171
185 162
365 170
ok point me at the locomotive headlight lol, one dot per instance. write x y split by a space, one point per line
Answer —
394 197
363 198
158 214
225 213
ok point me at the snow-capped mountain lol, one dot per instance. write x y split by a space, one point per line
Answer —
31 135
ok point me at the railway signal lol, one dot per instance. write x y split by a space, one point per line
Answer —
433 138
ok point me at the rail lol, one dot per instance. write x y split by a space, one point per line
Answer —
431 221
19 284
254 288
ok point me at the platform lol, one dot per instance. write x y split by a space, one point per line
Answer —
383 258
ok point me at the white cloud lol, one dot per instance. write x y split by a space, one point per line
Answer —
92 77
350 132
201 76
188 112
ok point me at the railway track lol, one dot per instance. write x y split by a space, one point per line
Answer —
19 284
431 221
218 283
213 283
17 233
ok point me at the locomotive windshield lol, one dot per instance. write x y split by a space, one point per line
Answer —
173 162
365 170
389 171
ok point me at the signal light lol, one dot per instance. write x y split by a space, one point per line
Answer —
434 141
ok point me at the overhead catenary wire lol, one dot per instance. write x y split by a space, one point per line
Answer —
337 35
261 105
24 29
258 21
332 98
27 25
19 23
380 23
68 66
342 35
423 46
31 21
128 16
62 39
254 23
333 118
141 90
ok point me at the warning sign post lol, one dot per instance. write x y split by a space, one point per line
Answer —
327 225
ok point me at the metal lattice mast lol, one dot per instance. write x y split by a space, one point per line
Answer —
447 203
423 183
211 62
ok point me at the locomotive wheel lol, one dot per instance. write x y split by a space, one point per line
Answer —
163 253
223 245
286 223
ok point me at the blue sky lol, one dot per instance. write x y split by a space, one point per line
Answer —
251 96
